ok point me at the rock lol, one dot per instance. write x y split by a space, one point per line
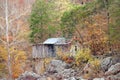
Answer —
107 62
68 66
114 69
29 76
98 79
56 66
80 78
113 77
3 79
58 69
71 78
66 73
58 76
113 72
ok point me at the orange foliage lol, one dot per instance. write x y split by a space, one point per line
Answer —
10 38
95 35
67 58
18 59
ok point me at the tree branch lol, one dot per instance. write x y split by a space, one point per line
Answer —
19 16
2 41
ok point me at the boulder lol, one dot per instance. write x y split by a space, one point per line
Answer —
56 66
60 70
113 72
71 78
98 79
66 73
3 79
114 69
107 62
80 78
29 76
113 77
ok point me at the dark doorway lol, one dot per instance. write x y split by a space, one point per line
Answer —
51 50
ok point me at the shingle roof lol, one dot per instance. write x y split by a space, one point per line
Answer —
54 41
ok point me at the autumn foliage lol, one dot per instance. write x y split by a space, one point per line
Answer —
18 58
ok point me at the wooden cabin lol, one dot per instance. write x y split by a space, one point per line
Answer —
50 47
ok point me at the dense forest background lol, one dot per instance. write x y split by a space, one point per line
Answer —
94 23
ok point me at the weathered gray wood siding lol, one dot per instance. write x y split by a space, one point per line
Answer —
43 51
40 51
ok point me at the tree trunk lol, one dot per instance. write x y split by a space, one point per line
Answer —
9 63
7 41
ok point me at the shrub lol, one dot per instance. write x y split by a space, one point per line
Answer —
67 58
96 64
83 56
93 70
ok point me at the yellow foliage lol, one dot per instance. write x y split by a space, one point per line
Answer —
95 33
62 55
18 58
47 60
83 56
43 64
95 63
3 53
94 69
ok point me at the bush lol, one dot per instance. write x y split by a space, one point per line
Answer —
67 58
93 70
96 64
83 56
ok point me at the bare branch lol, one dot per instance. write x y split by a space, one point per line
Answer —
2 18
16 42
2 28
2 6
4 42
19 16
